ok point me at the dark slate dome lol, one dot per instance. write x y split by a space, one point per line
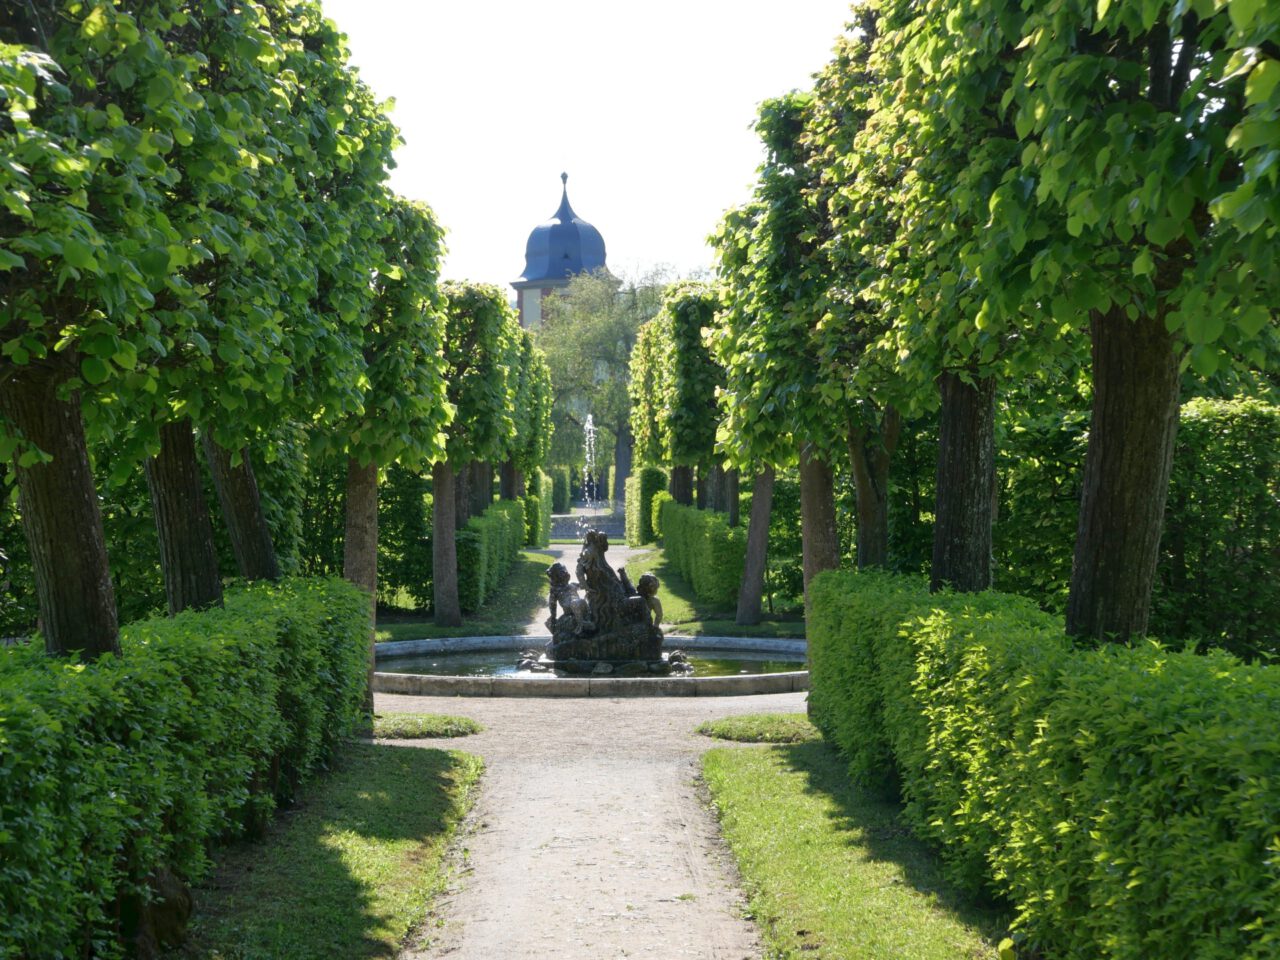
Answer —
564 245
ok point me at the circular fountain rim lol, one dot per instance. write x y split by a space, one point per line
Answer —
419 684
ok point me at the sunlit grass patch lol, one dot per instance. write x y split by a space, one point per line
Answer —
416 726
762 728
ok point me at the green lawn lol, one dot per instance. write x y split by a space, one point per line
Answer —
348 872
416 726
830 871
762 728
687 615
522 595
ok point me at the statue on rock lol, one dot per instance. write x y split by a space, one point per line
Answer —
615 629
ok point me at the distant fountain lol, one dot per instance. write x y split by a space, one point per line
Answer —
588 473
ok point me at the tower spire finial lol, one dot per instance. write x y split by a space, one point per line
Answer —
564 179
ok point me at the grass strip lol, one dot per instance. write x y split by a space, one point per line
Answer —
762 728
416 726
517 601
830 871
349 871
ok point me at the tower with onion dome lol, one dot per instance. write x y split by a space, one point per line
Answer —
563 246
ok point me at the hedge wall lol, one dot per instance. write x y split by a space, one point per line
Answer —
1125 800
487 545
129 768
559 489
704 550
537 509
641 487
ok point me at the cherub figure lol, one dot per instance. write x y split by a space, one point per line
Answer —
565 594
648 589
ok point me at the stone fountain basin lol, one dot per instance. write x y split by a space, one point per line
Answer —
545 686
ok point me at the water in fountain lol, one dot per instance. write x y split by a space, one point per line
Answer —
588 473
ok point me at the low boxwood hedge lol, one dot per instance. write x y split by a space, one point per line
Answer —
1126 800
487 546
642 487
704 550
118 773
560 490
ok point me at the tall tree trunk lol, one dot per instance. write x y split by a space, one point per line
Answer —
481 487
1126 476
682 485
622 447
241 502
718 499
61 518
360 548
461 476
188 558
751 591
444 549
704 486
732 499
507 480
870 455
966 475
819 540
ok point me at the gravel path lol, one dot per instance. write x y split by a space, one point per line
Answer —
589 840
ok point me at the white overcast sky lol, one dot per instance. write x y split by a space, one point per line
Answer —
646 105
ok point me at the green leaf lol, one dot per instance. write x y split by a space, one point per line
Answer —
1262 82
155 262
1205 326
1204 360
94 370
1143 264
1243 12
1162 230
79 254
10 260
1252 320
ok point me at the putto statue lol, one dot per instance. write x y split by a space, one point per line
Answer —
614 629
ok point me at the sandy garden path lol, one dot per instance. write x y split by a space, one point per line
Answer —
589 840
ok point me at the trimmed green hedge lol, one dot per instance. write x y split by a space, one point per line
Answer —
1125 800
117 772
642 487
704 549
487 545
537 509
559 489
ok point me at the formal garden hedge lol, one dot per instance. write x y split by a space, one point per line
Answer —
642 487
559 489
487 546
537 509
704 550
1122 798
120 774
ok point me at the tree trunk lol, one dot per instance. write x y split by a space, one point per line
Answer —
966 474
819 540
704 486
508 477
682 485
481 488
360 548
621 462
444 550
237 489
870 455
461 477
732 500
751 591
61 518
1126 477
188 558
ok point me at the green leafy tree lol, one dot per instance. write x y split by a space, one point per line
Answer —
482 339
531 442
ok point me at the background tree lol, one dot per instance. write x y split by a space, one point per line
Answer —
481 335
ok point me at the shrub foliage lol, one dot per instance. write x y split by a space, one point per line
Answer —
642 487
704 549
1122 798
119 771
487 545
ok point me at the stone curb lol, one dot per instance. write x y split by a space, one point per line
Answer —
393 648
613 687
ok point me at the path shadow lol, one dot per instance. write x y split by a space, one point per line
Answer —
874 824
292 896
